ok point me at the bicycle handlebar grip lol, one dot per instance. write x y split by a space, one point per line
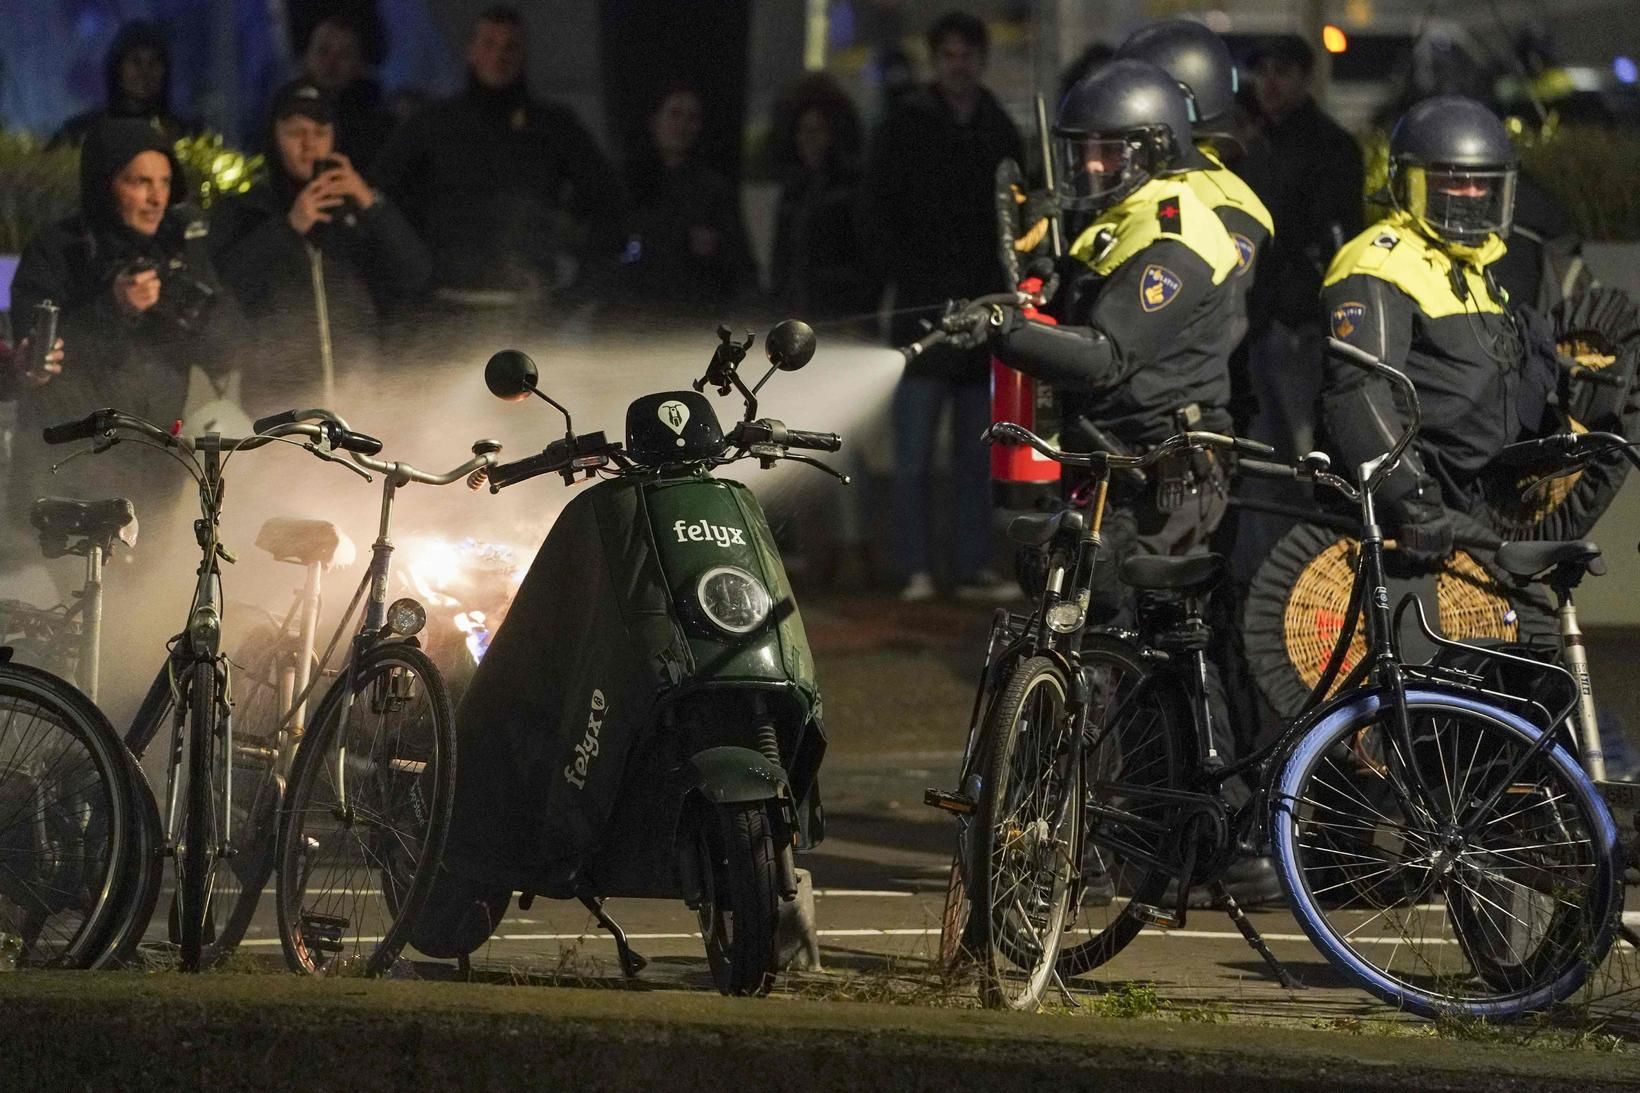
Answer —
70 431
1258 468
1353 354
819 442
503 475
349 441
263 424
1533 451
1247 446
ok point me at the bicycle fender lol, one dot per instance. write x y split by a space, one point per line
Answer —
731 775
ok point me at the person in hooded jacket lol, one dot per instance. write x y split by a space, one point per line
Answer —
138 76
313 231
140 309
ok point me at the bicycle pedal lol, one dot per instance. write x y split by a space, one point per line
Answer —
1166 918
323 933
946 801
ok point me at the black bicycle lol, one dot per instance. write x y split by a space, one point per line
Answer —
1440 848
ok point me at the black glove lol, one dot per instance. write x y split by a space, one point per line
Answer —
1423 532
970 327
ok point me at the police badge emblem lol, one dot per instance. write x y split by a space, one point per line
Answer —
1157 287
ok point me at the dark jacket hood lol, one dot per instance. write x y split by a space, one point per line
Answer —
130 37
109 145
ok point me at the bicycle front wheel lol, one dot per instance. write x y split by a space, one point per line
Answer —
201 833
67 830
366 814
1421 891
1025 836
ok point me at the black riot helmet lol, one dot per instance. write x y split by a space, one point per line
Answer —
1122 125
673 427
1452 167
1196 58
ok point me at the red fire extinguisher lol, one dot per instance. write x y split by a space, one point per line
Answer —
1020 476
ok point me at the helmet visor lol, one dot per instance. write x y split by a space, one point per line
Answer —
1462 204
1093 172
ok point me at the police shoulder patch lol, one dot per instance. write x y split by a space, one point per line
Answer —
1158 285
1244 253
1346 318
1167 215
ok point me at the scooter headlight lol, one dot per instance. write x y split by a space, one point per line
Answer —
733 599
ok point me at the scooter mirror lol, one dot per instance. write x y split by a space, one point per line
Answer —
510 375
790 345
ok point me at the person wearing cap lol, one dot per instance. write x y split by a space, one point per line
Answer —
1308 172
313 254
1419 291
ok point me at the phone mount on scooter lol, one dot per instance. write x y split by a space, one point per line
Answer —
789 346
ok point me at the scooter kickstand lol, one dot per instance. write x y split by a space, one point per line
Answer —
1627 934
631 962
1250 932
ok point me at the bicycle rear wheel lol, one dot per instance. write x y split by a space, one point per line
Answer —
366 814
1436 906
1025 833
67 834
1130 760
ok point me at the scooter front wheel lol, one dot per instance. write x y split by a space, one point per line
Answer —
740 898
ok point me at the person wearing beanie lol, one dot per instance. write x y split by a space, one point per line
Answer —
137 72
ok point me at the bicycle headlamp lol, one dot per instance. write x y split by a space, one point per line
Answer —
405 617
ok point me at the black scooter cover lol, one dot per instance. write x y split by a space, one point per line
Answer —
562 696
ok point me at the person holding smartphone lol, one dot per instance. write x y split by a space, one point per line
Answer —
315 231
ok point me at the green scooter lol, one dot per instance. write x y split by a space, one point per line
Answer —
646 722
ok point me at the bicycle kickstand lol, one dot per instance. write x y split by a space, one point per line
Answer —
631 962
1254 938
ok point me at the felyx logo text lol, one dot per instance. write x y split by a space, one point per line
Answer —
702 532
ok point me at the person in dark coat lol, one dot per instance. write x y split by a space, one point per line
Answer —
314 228
511 194
140 310
138 77
821 268
687 255
335 60
1308 171
930 185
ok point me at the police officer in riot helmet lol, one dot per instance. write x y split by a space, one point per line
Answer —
1200 62
1139 352
1417 290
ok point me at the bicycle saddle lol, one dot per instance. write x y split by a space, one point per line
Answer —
65 517
1191 575
1039 529
1528 560
306 542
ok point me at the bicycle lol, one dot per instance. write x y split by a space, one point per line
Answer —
1416 802
71 836
193 688
339 795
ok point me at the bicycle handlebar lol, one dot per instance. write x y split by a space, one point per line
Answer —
362 446
1018 434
